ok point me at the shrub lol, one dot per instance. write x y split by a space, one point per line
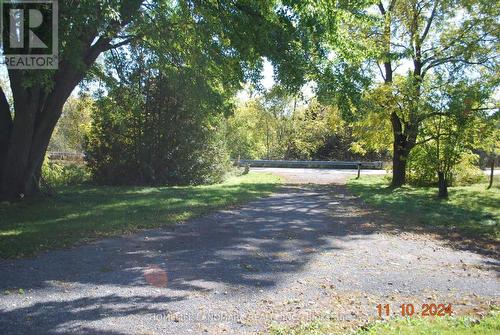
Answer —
467 171
247 169
51 173
75 174
57 173
422 172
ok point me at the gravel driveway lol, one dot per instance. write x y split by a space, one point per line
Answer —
309 251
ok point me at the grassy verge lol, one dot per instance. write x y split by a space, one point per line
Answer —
77 214
489 325
470 211
449 326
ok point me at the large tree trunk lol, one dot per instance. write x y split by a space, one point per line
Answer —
402 146
15 180
442 185
38 106
404 131
37 111
32 128
5 128
36 114
398 167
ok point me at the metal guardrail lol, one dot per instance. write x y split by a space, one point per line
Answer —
310 164
60 155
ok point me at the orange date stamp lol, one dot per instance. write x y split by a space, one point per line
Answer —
410 310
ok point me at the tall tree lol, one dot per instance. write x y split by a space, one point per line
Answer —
458 125
430 35
412 38
86 29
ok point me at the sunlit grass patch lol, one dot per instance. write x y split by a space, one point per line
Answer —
438 326
471 210
490 325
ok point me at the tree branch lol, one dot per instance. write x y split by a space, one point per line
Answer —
381 72
381 8
429 22
122 43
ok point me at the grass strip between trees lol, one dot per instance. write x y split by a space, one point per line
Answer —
79 214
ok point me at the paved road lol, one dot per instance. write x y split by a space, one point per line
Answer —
308 251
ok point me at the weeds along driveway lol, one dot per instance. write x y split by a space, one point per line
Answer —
308 251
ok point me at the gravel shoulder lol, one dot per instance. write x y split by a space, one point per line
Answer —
309 251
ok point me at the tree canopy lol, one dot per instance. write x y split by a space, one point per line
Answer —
224 38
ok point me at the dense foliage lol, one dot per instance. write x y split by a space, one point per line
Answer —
73 126
149 127
390 48
455 126
280 126
61 173
225 38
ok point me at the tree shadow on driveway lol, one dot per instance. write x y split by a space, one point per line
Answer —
66 316
250 247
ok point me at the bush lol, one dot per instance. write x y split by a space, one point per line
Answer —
74 174
51 173
56 174
247 169
467 171
422 171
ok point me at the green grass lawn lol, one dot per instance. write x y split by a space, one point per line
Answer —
489 325
438 326
471 211
77 214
